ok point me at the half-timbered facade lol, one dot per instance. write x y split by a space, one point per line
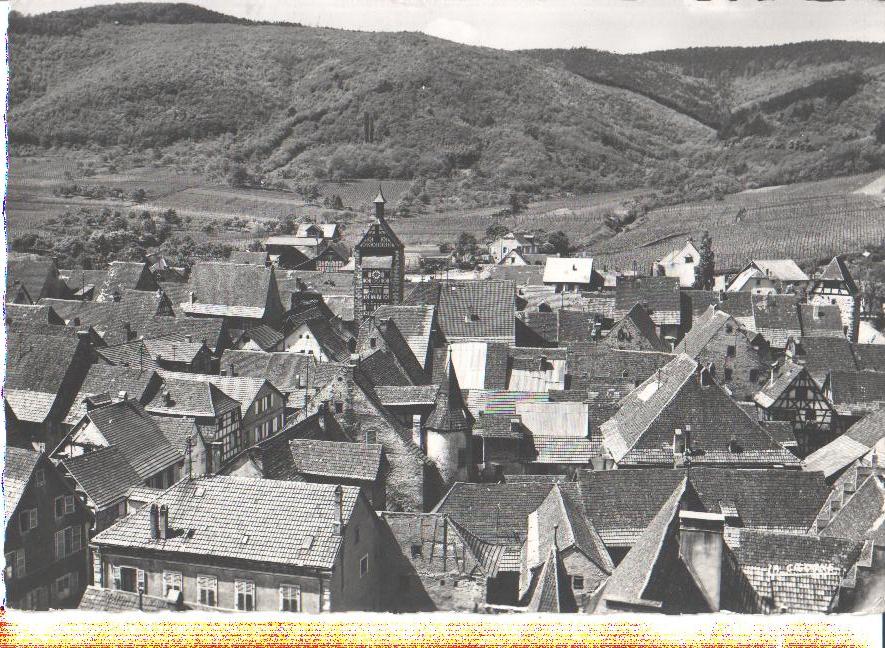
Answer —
379 266
794 396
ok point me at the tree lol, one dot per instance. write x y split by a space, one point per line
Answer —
879 130
238 176
704 270
518 202
496 231
138 196
466 245
559 243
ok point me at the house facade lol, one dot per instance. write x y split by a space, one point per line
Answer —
836 286
47 531
297 547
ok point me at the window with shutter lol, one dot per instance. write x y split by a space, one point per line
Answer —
364 565
59 506
27 520
69 504
245 594
290 598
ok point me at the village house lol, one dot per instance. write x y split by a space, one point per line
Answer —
316 449
636 331
47 531
317 338
262 406
296 547
659 296
470 311
854 394
44 375
571 274
287 252
681 263
163 353
681 414
737 357
771 276
244 295
439 566
114 447
836 286
792 395
500 247
331 258
518 258
125 275
862 444
31 277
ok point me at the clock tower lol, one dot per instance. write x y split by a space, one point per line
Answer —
379 266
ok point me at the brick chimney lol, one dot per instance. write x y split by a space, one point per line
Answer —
164 522
701 548
338 500
155 522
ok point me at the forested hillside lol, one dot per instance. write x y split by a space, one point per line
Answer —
284 103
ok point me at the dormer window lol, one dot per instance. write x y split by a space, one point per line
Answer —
373 342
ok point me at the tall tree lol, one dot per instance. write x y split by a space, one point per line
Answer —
706 264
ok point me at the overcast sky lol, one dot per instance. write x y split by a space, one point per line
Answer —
615 25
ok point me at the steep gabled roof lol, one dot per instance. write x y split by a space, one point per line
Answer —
337 459
552 591
31 271
705 329
861 515
820 320
823 354
232 287
18 468
633 575
415 323
191 398
286 371
768 559
122 275
844 450
642 321
856 390
243 389
590 363
776 318
109 379
659 294
28 314
105 474
477 309
836 270
774 389
249 258
127 426
675 397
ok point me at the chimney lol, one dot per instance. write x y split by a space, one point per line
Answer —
84 336
416 431
164 522
167 398
231 370
874 460
190 296
338 525
701 549
127 331
123 395
155 522
354 359
216 457
678 443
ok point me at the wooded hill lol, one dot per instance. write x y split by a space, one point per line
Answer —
195 88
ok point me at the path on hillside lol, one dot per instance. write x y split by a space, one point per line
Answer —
875 188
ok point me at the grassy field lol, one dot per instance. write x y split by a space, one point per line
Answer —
805 221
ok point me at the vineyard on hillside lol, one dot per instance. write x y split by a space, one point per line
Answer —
804 229
359 194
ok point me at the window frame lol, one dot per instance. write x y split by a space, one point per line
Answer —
577 582
69 546
40 477
208 584
170 580
16 564
33 518
246 590
72 583
290 592
364 561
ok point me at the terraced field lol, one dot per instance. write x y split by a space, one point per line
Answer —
773 224
357 194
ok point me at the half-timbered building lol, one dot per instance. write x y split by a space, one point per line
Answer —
836 286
